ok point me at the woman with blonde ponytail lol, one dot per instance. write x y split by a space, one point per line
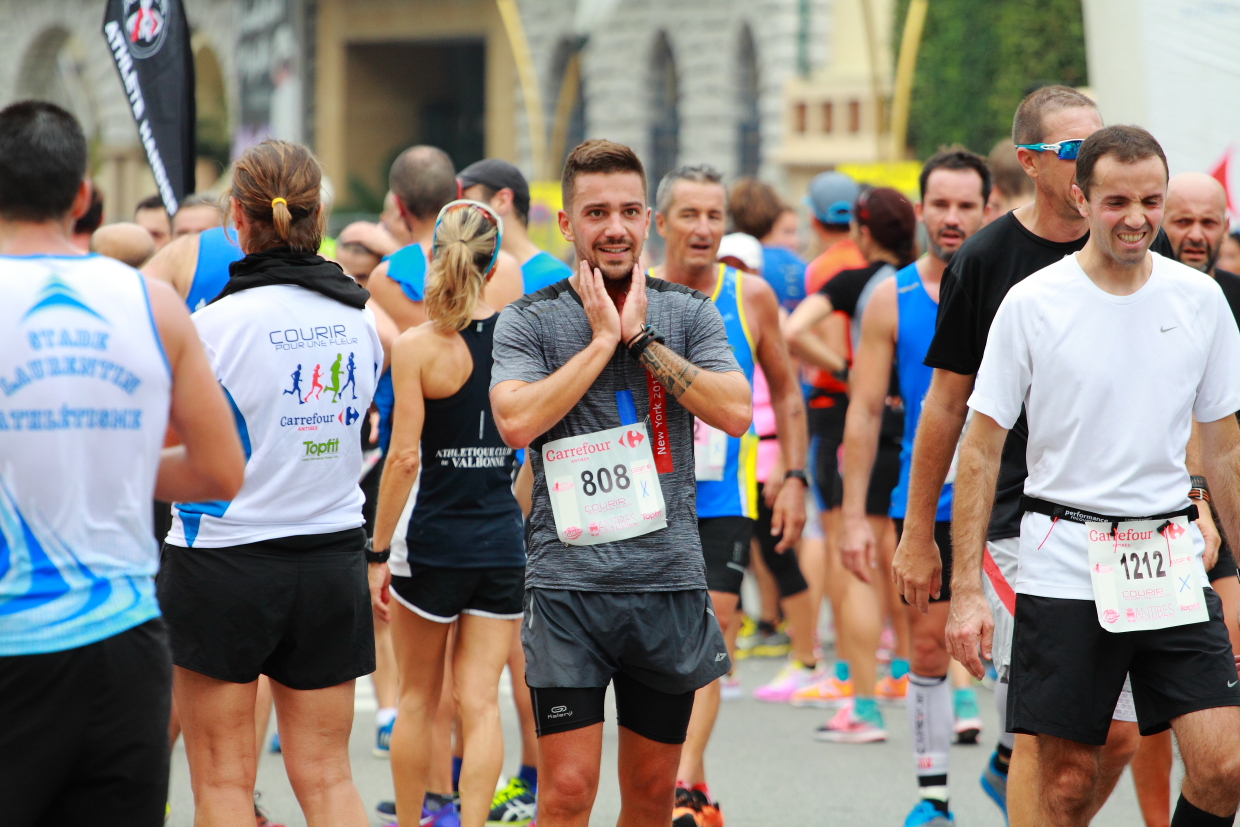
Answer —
273 582
461 556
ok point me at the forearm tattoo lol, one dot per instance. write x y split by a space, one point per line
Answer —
673 371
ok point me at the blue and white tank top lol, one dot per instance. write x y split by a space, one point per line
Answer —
736 495
299 370
84 394
915 328
217 248
407 267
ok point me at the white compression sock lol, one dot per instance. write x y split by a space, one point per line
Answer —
1008 739
929 705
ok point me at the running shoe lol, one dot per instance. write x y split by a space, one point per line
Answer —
891 690
968 724
994 784
925 814
383 740
772 643
274 745
826 693
793 676
445 816
730 688
514 805
694 809
847 727
260 815
747 637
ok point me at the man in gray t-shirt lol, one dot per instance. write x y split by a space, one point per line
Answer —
611 349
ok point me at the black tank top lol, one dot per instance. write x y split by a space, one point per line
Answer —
465 516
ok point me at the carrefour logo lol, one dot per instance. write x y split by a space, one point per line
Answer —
327 449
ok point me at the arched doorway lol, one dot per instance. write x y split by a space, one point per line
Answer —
212 132
664 112
54 70
749 120
568 123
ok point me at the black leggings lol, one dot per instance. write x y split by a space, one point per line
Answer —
783 567
648 712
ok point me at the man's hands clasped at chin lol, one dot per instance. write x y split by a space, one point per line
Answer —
610 325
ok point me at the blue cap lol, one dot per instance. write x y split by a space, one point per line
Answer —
831 196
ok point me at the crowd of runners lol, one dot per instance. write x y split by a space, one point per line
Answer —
243 465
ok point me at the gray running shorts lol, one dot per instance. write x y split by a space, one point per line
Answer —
669 641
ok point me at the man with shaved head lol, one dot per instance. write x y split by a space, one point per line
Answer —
1196 223
124 241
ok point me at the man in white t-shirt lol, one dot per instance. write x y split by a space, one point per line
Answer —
1112 351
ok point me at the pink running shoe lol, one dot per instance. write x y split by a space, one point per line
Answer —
847 727
826 693
793 676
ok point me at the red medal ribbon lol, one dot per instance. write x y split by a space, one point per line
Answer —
662 445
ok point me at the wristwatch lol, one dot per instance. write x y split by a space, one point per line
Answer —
796 474
373 556
1199 491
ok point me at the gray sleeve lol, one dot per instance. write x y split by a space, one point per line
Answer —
517 350
707 340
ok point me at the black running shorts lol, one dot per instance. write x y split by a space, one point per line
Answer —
668 641
648 712
84 738
442 595
1067 671
725 545
784 567
826 426
1224 566
884 477
943 539
296 609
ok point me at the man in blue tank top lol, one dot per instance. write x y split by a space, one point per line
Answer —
196 265
690 210
502 185
95 362
896 329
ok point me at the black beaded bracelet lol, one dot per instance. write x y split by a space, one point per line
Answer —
642 341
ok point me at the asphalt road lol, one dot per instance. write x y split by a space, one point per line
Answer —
763 766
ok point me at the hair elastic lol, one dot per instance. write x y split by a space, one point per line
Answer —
275 201
477 205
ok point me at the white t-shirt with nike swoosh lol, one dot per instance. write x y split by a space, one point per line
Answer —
1110 384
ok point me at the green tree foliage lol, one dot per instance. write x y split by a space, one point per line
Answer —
978 58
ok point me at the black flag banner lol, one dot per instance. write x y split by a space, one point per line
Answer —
149 41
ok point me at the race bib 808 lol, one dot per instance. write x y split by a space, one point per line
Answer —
603 486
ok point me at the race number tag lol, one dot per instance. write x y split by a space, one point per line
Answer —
1144 578
710 452
604 486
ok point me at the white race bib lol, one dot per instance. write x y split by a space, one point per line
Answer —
1145 579
710 452
603 486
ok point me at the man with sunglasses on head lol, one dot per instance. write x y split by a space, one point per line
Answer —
1048 129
